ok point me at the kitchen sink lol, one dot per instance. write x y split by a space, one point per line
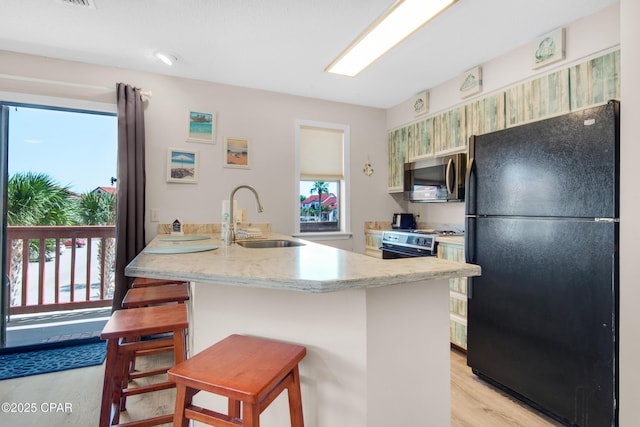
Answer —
268 243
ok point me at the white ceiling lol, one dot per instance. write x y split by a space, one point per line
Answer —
281 45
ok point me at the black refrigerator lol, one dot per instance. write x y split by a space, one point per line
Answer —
542 222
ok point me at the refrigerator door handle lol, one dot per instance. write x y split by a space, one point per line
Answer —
450 176
469 239
470 197
469 200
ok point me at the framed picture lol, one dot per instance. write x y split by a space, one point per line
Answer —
182 166
202 127
548 48
236 153
420 103
470 82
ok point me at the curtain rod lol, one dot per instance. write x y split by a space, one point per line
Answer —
147 93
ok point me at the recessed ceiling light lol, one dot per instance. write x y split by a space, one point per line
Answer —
167 58
403 19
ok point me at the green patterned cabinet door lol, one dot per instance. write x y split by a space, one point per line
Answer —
486 114
538 98
398 143
457 296
373 242
450 131
595 81
420 145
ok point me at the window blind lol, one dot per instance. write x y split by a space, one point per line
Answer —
321 154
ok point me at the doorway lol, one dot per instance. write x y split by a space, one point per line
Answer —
57 172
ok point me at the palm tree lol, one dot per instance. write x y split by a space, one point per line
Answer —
33 199
320 187
100 209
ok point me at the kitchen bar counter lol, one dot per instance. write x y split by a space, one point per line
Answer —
376 331
309 268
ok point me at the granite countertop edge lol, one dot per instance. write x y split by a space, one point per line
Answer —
312 268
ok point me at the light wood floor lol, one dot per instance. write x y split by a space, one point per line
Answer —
474 403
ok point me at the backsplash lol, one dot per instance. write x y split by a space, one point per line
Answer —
212 228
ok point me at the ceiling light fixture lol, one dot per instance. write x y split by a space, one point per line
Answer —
403 19
167 58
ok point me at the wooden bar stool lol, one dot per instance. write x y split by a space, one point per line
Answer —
142 282
155 295
122 333
144 297
251 372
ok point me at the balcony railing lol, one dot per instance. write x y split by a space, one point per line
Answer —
59 268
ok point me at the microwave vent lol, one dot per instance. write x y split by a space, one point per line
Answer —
87 4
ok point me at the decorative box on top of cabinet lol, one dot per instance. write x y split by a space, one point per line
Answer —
457 296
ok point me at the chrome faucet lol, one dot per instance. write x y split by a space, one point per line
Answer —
232 233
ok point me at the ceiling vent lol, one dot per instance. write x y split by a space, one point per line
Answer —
87 4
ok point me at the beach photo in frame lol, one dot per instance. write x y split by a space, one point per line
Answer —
236 153
202 127
470 82
548 48
182 166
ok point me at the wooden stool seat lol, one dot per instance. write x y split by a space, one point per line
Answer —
154 295
142 282
251 372
123 332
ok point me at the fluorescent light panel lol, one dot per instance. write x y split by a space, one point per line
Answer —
403 19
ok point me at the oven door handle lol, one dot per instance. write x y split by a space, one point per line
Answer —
410 253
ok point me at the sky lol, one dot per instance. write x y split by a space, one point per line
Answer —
75 149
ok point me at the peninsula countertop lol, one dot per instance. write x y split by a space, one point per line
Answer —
311 268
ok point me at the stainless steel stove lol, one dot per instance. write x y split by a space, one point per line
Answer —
408 243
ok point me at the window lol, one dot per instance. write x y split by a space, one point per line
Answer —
322 177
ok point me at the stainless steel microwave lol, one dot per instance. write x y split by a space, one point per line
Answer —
441 179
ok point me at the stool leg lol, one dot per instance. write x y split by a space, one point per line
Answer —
250 415
108 385
179 420
179 346
234 408
295 400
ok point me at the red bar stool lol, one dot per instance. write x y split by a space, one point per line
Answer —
251 372
142 282
122 333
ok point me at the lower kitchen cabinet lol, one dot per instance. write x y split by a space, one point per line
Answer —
373 241
457 296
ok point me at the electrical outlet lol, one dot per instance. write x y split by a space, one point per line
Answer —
154 215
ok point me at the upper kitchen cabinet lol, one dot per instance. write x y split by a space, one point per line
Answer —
486 114
420 146
595 81
398 144
585 84
538 98
449 131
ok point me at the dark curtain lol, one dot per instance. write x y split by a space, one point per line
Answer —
130 239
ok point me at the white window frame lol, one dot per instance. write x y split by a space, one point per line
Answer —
345 196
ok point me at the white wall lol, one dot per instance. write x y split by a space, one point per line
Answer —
584 38
629 213
265 118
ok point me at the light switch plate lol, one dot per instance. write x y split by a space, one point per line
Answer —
154 215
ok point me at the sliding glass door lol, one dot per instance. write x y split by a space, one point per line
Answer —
58 224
